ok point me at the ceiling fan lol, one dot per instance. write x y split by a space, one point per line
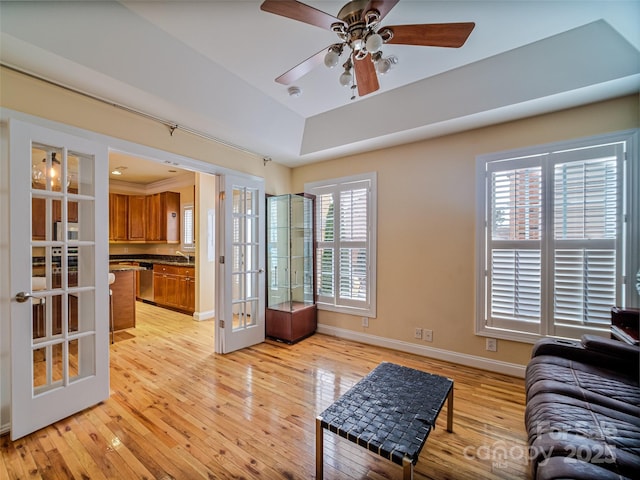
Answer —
358 28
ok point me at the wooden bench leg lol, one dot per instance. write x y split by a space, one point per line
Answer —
319 449
450 410
407 469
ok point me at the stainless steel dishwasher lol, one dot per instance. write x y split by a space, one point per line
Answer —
146 282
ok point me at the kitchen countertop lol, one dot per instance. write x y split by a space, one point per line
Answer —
121 268
177 261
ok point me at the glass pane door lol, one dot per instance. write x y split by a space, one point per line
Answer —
241 303
59 329
62 260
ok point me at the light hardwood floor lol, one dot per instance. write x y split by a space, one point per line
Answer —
179 411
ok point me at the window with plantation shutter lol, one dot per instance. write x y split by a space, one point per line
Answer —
587 208
553 234
188 230
345 244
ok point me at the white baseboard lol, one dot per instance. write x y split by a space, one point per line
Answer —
497 366
5 429
200 316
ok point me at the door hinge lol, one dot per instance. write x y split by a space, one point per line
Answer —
222 195
221 323
221 259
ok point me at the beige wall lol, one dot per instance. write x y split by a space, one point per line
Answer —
426 224
426 207
206 200
25 94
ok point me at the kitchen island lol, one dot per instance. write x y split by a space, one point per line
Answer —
123 296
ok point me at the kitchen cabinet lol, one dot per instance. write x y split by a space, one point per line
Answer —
39 309
163 217
38 219
137 218
124 299
72 209
187 291
118 216
39 210
174 287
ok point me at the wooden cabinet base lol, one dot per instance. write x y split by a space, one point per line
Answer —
124 300
291 326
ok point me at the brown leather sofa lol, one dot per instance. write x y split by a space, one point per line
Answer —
583 409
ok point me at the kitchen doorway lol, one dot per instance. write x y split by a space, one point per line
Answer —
167 265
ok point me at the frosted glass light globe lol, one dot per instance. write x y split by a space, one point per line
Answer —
383 66
345 78
374 43
331 59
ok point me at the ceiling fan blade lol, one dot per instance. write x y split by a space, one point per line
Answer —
366 76
301 12
432 35
382 6
302 68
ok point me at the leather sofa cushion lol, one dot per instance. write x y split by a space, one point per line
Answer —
558 425
561 468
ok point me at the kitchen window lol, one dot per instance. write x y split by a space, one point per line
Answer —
188 227
346 229
557 237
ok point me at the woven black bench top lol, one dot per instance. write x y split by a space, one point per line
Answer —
390 411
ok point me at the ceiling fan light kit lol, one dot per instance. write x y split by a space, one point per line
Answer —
357 25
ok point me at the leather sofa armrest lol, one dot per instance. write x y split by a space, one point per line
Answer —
570 349
614 348
593 350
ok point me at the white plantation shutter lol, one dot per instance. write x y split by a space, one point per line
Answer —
325 250
353 245
345 244
552 241
188 234
586 209
515 245
515 284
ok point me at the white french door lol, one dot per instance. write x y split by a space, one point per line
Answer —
241 302
59 267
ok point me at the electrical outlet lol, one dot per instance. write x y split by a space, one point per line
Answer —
427 335
492 344
417 333
365 322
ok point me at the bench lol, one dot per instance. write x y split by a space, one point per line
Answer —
390 412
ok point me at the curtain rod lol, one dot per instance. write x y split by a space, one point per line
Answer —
173 126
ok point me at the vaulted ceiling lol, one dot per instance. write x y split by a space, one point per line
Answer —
210 66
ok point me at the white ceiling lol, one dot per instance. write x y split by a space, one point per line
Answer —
210 66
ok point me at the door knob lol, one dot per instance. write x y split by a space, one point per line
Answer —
23 297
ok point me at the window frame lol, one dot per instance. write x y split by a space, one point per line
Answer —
334 304
188 246
628 256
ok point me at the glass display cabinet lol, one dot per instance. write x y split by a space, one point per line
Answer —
291 308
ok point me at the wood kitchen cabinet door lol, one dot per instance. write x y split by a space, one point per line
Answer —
163 217
38 219
72 209
118 216
173 291
188 294
137 217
